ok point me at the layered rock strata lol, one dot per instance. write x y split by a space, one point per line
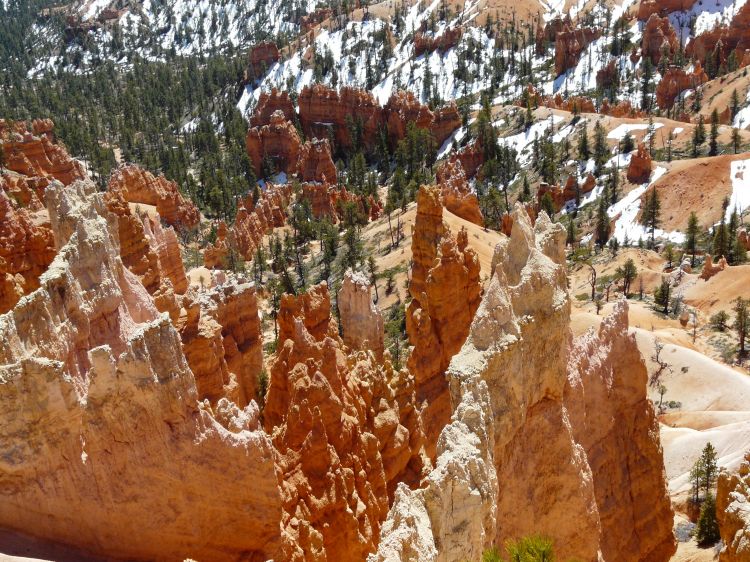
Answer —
457 195
140 186
733 513
361 320
96 389
346 429
531 448
446 291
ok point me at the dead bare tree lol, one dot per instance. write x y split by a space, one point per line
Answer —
661 365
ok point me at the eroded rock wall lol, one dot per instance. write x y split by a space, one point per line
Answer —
346 429
518 457
100 410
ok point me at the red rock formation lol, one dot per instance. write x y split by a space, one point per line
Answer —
324 111
710 269
215 255
456 193
471 158
511 456
316 162
141 186
675 81
547 34
445 290
346 430
27 247
91 352
622 109
615 423
659 38
639 170
556 192
221 338
328 201
277 141
262 57
662 7
606 77
254 221
270 103
316 17
444 42
570 43
31 151
361 320
732 496
735 36
447 120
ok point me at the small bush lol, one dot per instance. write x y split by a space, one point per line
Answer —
719 321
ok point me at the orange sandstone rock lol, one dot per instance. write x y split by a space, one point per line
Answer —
140 186
361 321
710 268
262 57
659 38
270 103
456 193
89 350
31 151
445 290
346 430
732 514
316 162
676 81
278 141
26 251
570 43
639 170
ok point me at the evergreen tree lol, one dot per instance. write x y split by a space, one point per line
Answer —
584 153
707 530
713 145
699 137
601 150
691 237
602 224
651 214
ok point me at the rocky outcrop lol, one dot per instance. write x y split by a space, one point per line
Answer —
659 39
647 8
215 255
27 248
346 430
278 142
141 186
448 39
456 192
262 57
253 221
221 337
268 104
316 162
676 81
361 321
30 149
615 423
733 512
710 268
328 201
327 113
639 169
445 290
723 39
570 43
95 389
520 456
323 113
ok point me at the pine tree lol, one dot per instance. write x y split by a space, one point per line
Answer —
736 140
602 224
713 149
699 137
651 214
601 151
584 153
707 530
691 237
735 104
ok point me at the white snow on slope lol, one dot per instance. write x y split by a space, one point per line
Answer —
740 176
620 131
627 226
